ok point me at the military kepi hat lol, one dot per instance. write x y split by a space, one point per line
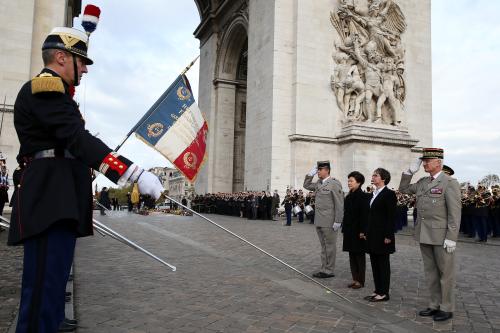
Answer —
68 39
430 153
323 164
447 170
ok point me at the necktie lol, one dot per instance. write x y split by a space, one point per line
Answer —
432 178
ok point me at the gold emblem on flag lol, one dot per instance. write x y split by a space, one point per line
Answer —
183 93
155 130
190 160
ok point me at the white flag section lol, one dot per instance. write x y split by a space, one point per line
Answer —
176 128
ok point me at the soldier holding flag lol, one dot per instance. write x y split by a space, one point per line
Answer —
52 204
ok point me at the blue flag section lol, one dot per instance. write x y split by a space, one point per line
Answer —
175 127
165 112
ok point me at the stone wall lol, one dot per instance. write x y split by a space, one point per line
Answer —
293 118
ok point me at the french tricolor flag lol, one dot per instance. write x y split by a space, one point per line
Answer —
175 127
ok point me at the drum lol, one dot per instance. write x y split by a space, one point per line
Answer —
309 210
297 209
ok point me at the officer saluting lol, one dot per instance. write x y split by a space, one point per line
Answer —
52 204
329 214
438 203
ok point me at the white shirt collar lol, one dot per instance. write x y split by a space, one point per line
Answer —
375 193
436 175
378 190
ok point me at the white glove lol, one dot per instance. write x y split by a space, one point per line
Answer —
313 171
414 166
150 184
336 226
449 245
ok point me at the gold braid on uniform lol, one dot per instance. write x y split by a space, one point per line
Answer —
45 82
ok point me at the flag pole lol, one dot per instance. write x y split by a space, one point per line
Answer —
328 289
188 67
142 120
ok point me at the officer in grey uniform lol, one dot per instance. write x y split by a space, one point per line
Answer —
438 206
329 214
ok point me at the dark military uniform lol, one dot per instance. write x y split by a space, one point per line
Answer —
57 188
52 202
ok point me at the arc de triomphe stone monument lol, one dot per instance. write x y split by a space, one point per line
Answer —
286 83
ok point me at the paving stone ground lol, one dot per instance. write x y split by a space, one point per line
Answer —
223 285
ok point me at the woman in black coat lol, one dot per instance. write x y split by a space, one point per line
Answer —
356 206
379 234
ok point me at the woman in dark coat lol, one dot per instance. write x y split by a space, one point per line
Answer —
379 234
356 206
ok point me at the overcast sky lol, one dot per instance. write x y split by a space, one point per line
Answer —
140 48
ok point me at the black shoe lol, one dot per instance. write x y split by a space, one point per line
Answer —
68 293
67 299
428 312
70 321
442 316
64 327
321 275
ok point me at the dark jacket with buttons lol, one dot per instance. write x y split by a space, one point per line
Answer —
57 188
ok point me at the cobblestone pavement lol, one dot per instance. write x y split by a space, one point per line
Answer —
223 285
10 281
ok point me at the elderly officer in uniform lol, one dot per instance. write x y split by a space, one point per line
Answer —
52 204
439 210
329 214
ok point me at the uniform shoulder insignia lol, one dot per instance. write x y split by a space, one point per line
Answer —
45 82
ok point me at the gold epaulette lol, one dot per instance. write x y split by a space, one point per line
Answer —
45 82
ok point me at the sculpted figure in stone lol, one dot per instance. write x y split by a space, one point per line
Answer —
401 92
368 35
390 84
372 67
347 85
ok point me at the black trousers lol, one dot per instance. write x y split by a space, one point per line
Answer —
381 269
358 266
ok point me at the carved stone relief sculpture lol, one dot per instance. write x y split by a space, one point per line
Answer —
368 76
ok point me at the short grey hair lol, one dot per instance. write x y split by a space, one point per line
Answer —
48 56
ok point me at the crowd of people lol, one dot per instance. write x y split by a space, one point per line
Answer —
480 208
481 212
251 205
